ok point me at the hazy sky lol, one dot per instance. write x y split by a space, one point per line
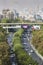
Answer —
20 4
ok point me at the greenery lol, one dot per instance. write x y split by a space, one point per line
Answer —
5 20
17 20
22 57
41 27
4 49
37 41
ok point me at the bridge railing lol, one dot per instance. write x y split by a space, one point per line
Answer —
19 23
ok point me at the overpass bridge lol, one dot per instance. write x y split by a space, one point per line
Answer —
11 27
16 25
1 24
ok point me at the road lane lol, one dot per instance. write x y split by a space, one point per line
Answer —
12 55
28 48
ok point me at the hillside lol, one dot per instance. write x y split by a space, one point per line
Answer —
37 41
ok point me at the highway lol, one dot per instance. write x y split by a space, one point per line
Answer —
27 46
12 54
26 40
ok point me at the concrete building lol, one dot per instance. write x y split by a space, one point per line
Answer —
1 16
4 12
10 15
31 18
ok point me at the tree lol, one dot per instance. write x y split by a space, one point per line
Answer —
5 20
2 37
4 53
4 50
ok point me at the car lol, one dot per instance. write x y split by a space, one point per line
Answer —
31 51
25 31
24 43
28 30
11 49
22 35
26 49
11 52
24 38
12 55
28 34
13 63
28 39
10 41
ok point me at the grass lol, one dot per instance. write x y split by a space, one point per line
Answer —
37 40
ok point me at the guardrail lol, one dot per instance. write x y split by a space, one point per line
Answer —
40 56
36 52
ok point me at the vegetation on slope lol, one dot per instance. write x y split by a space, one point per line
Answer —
4 49
37 41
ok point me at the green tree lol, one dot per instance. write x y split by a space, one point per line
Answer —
4 50
5 20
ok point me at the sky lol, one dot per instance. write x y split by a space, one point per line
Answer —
21 4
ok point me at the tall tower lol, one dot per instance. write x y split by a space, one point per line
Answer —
37 5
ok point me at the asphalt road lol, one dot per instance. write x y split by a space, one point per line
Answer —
28 48
12 55
26 45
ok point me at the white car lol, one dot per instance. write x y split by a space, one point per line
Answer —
13 63
24 43
31 51
26 49
28 34
24 38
